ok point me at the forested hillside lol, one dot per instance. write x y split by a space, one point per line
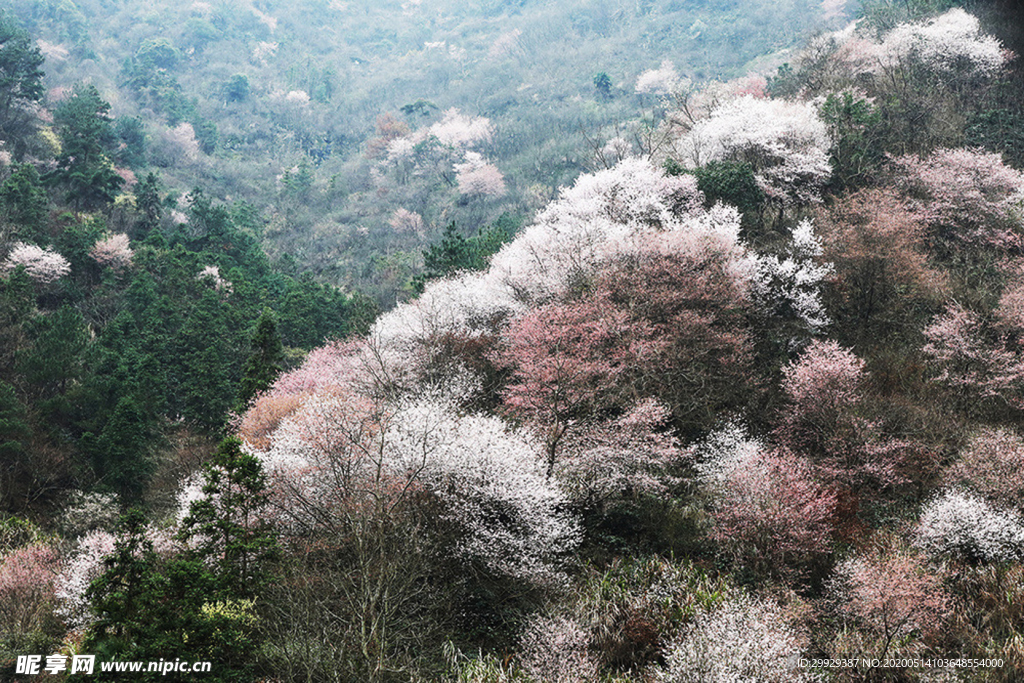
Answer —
741 401
346 123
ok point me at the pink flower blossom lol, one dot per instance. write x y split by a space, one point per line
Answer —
769 511
972 360
42 265
113 251
992 466
476 176
966 194
27 576
892 594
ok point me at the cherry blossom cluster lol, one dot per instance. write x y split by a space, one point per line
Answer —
42 265
27 576
785 142
343 452
767 507
506 44
113 250
403 220
969 191
825 389
948 42
457 130
793 283
212 275
476 176
182 138
607 215
84 565
825 379
962 525
991 466
891 593
661 81
603 217
972 361
631 453
742 639
951 44
554 650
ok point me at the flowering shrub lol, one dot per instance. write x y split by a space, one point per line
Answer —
972 360
555 651
661 81
85 564
769 511
112 251
628 454
42 265
791 285
786 143
604 217
403 220
967 194
824 381
455 129
565 361
992 466
82 567
892 594
949 42
967 527
476 176
743 640
877 243
27 576
343 455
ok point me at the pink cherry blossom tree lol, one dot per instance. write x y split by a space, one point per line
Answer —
893 595
112 250
565 361
992 466
770 513
967 196
876 242
973 360
476 176
27 577
42 265
824 422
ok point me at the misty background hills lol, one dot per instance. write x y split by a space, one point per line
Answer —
284 99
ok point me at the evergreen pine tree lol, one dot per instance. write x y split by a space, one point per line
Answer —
266 361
